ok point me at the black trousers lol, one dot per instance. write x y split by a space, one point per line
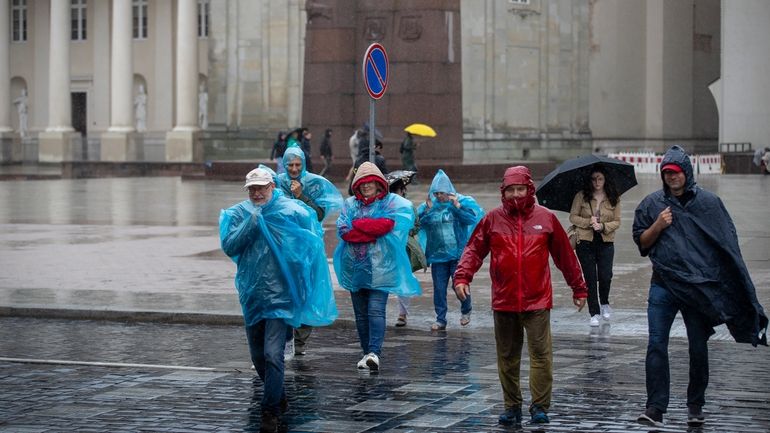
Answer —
596 259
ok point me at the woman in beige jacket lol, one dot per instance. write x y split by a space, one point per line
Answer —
596 214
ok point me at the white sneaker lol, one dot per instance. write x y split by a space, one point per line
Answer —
606 311
373 361
362 363
595 320
288 350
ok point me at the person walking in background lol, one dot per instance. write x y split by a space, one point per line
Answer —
276 153
326 151
370 260
521 235
446 221
317 193
398 180
353 145
408 146
282 279
698 270
304 142
596 214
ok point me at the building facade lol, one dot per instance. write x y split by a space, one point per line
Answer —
194 80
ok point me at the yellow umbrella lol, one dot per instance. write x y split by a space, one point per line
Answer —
420 129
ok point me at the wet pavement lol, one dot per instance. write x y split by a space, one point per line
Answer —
146 249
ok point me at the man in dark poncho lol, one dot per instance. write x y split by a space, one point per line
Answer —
697 268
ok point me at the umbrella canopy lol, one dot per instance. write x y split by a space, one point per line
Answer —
420 129
398 178
558 188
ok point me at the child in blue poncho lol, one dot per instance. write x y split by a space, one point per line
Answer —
282 277
370 260
446 222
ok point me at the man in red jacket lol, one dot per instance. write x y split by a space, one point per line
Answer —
521 235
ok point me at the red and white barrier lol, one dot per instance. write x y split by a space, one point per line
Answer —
646 162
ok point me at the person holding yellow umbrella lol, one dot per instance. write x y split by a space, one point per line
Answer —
408 146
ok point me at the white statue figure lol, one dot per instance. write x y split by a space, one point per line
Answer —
140 109
203 107
22 108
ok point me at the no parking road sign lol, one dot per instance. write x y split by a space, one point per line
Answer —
376 70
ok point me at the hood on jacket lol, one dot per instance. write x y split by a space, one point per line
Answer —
291 154
368 172
677 155
440 183
518 175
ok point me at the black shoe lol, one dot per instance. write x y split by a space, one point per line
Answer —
538 415
651 417
284 405
511 416
269 423
695 417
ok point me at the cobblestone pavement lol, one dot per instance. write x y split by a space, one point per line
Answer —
146 249
118 377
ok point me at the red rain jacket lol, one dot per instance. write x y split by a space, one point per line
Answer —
521 236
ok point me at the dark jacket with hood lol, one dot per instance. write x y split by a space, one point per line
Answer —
698 258
521 235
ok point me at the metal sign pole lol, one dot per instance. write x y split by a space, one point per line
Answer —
372 137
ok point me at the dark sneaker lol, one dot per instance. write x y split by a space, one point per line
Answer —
511 416
651 417
538 415
284 405
269 422
695 417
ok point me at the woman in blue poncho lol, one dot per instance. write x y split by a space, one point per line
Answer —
371 260
282 277
446 222
318 193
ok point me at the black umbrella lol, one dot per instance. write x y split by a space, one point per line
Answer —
558 188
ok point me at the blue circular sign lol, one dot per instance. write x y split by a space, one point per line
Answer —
376 70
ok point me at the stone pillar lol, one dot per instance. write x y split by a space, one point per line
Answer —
118 143
182 144
10 143
56 143
5 68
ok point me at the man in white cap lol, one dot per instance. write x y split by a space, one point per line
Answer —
282 280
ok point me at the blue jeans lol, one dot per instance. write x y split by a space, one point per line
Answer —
369 309
266 341
441 273
662 307
596 260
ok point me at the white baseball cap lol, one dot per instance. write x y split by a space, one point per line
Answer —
259 177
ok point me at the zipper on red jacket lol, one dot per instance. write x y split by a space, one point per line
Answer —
519 264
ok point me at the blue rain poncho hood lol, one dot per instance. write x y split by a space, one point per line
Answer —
322 192
698 256
282 270
444 229
382 264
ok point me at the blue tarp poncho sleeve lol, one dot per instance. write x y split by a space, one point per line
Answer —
318 188
282 271
383 264
444 229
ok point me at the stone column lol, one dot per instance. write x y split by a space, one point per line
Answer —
182 144
118 143
56 143
5 68
10 143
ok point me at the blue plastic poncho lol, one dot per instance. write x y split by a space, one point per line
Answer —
444 229
383 264
322 192
282 268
